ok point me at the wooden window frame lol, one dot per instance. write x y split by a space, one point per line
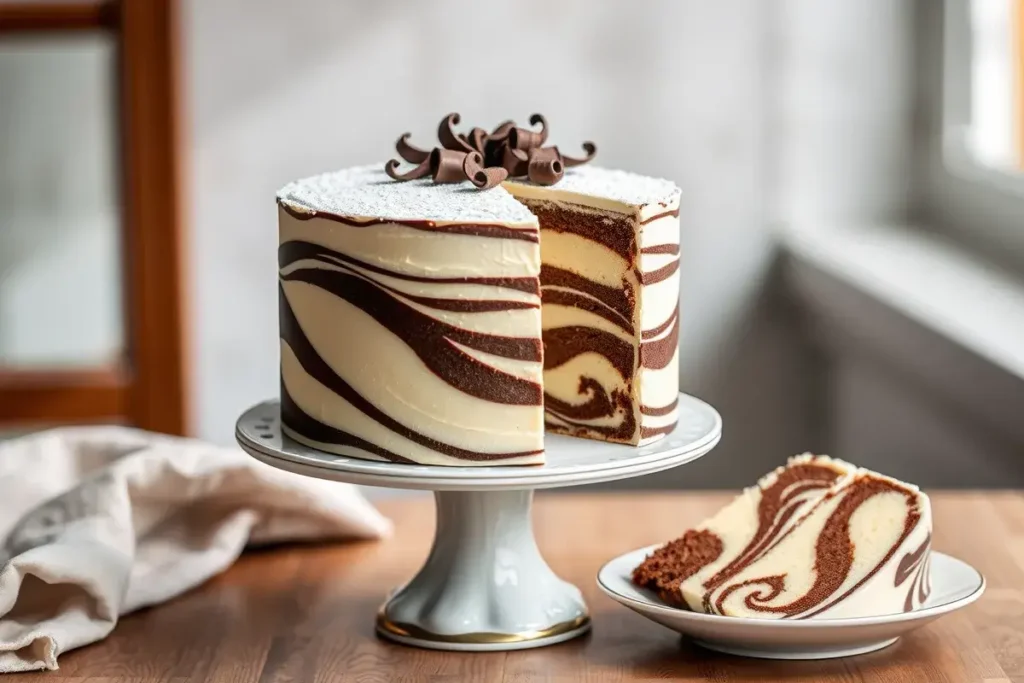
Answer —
148 388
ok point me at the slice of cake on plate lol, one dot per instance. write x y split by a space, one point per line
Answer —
445 321
817 537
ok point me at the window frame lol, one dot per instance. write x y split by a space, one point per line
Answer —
147 388
980 207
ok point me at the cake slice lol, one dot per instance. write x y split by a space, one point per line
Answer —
837 541
742 529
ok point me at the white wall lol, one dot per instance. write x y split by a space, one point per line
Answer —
669 88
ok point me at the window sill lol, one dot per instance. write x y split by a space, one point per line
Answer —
921 307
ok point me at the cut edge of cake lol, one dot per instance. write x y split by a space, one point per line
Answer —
702 553
852 538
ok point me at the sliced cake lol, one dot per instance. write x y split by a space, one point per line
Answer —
817 537
446 320
755 519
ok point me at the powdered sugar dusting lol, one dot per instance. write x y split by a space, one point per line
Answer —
620 186
367 192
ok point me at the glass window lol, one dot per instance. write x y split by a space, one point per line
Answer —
60 255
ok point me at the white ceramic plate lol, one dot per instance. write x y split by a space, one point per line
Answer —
570 462
955 584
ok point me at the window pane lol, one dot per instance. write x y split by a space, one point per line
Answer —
60 267
996 80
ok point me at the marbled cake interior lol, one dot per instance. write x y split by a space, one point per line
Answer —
411 317
818 537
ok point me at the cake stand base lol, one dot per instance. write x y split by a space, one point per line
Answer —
484 585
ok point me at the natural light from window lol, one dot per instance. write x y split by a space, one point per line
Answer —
996 133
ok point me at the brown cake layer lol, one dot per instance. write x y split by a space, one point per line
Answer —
668 566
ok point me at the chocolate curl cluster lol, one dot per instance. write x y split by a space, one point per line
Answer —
486 159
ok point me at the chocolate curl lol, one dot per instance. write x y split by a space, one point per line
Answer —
391 168
515 161
446 134
545 166
501 131
483 178
521 138
476 139
446 165
413 155
494 147
589 147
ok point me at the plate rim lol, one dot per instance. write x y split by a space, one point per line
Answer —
830 623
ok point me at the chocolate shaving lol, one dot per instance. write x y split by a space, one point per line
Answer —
501 131
487 159
446 165
525 139
515 161
545 166
589 147
413 155
477 138
391 168
446 134
483 178
494 147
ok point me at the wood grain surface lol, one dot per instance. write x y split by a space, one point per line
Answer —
306 613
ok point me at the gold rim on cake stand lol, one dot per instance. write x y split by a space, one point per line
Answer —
411 632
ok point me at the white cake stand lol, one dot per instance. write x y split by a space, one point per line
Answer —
485 585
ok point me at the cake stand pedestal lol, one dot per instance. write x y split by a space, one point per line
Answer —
485 585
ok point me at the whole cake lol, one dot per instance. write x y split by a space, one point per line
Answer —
817 537
448 320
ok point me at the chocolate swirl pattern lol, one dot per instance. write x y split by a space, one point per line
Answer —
429 323
916 564
852 540
659 322
610 290
363 337
817 537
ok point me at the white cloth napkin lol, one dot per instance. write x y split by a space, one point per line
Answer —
98 521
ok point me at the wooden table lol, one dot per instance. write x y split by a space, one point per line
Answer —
306 613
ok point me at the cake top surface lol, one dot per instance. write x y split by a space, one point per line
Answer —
366 191
615 185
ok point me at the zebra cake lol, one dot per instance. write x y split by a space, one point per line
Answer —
815 538
450 320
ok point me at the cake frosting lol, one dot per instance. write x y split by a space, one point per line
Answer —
815 538
412 324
